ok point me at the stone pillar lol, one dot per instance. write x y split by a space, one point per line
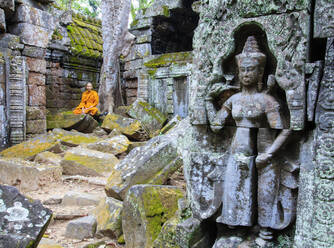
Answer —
35 27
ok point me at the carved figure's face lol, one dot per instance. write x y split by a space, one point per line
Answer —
89 87
249 72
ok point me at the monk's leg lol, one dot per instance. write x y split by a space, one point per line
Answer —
77 111
92 111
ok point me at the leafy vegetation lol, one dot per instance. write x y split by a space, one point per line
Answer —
89 8
137 5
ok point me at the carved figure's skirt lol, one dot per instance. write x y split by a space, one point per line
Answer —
239 197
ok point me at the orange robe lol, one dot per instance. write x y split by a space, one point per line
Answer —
89 100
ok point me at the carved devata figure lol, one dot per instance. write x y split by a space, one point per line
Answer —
258 183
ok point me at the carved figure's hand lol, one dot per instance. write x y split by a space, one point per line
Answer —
262 160
83 110
216 128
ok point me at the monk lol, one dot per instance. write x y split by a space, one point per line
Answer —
89 101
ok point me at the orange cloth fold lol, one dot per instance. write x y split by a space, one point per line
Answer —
89 101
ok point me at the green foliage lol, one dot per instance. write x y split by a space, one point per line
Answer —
89 8
142 5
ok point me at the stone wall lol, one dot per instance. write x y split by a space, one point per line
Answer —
158 66
47 57
293 36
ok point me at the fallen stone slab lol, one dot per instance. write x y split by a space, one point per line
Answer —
115 145
81 228
48 243
73 198
87 162
67 120
171 124
127 126
152 163
23 221
29 149
146 209
49 158
151 118
74 138
182 230
27 175
109 218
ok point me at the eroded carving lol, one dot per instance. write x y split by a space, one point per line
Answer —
256 182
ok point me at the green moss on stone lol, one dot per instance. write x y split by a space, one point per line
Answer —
166 11
160 204
168 59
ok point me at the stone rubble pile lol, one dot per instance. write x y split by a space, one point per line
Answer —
138 169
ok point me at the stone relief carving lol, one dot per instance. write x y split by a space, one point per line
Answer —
256 181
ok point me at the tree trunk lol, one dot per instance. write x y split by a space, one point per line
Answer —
115 16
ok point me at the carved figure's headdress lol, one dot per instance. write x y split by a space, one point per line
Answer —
251 50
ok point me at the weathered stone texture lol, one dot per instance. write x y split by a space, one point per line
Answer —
86 162
31 35
315 220
146 209
27 14
323 19
23 222
108 215
28 175
81 228
2 21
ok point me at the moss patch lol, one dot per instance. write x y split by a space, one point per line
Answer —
165 60
160 204
86 37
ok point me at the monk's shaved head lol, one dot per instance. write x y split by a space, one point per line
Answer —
89 86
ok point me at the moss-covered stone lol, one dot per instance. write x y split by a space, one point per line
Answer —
168 59
71 138
130 127
151 118
82 161
86 37
152 163
30 175
109 217
146 209
48 158
31 148
115 145
68 120
62 120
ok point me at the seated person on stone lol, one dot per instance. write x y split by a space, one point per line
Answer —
89 101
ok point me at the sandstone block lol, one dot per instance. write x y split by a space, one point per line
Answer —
36 126
68 120
37 95
28 175
73 198
86 162
109 217
48 158
81 228
115 145
36 78
29 14
31 148
23 221
152 163
35 113
31 35
73 138
146 209
130 127
151 118
36 65
34 52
